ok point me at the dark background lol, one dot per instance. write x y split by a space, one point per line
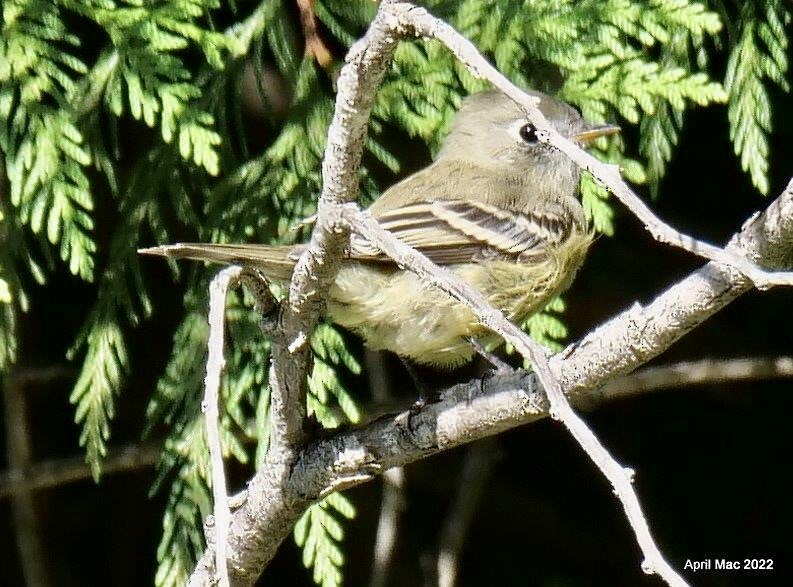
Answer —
712 461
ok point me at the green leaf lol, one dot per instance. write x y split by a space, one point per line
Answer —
319 533
758 55
330 352
8 313
189 502
94 393
594 198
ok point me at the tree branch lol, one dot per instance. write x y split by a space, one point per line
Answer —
393 501
314 272
479 463
318 265
314 45
56 472
26 527
470 411
391 506
641 333
215 365
703 372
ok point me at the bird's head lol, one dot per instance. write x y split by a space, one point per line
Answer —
492 130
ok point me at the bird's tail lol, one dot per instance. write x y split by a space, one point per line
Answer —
277 262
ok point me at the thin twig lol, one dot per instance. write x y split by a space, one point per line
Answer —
39 376
687 373
26 527
392 503
412 20
215 365
479 462
314 45
57 472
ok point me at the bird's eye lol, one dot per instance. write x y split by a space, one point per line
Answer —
528 133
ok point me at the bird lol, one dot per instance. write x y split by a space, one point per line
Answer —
497 207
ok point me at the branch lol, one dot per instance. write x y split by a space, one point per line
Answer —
469 411
391 506
641 333
651 379
56 472
393 501
215 365
317 267
706 371
479 462
25 517
314 45
314 272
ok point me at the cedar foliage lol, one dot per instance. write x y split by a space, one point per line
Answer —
72 73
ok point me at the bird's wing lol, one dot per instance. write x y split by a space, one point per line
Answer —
459 231
446 231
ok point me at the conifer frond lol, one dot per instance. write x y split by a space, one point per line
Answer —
151 75
324 385
45 152
319 534
760 54
421 91
265 197
598 211
546 327
186 460
122 299
105 364
279 185
246 378
8 324
633 86
8 302
184 467
179 389
5 290
659 133
13 299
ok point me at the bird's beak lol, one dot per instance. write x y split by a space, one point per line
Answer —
593 133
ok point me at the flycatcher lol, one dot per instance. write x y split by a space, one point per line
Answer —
497 207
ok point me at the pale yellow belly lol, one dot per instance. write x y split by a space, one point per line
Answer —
397 311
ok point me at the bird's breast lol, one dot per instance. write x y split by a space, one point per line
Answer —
521 287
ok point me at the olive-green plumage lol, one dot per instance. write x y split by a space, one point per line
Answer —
497 207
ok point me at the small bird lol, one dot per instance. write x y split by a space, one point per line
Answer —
497 207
